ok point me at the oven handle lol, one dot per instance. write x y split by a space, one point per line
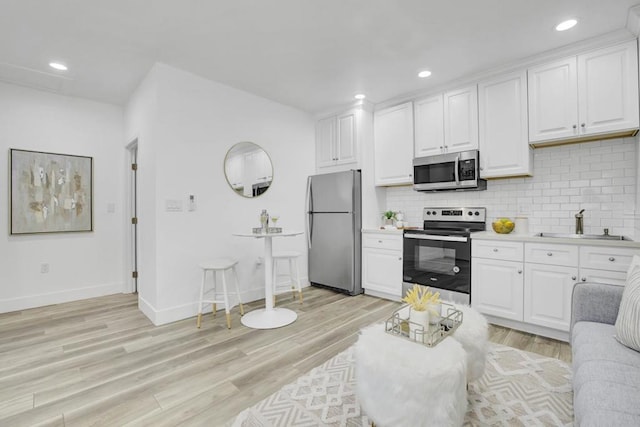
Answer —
436 237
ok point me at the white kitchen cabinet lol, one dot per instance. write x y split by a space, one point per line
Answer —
583 97
497 278
551 270
429 126
382 264
461 119
503 127
547 295
447 123
497 287
393 145
337 142
603 276
604 264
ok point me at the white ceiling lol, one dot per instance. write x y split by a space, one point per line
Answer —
310 54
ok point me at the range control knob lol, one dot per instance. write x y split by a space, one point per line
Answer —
477 213
428 212
434 212
469 213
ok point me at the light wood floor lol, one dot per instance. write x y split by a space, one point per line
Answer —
101 362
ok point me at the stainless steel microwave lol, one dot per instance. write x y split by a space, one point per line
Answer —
451 171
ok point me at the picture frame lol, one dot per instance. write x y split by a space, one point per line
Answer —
50 192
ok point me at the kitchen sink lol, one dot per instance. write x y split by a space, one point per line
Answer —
582 236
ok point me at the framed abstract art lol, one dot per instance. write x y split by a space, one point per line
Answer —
50 193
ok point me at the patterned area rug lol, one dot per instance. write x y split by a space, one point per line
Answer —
518 389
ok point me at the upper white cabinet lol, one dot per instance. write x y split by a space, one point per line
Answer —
587 96
461 119
337 141
393 143
447 122
504 142
429 114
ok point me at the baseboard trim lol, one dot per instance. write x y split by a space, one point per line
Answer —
529 328
32 301
185 311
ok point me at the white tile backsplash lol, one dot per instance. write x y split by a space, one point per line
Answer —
599 176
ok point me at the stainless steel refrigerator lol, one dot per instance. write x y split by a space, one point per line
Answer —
334 221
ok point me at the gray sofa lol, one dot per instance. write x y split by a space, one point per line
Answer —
606 374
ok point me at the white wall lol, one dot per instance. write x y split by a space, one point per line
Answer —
597 176
82 265
197 122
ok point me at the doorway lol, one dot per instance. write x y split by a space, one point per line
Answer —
132 208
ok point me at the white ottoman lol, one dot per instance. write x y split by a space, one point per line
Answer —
473 334
402 383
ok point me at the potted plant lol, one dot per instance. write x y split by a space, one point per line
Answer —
388 217
424 309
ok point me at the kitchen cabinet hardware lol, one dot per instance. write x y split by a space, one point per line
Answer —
611 259
584 279
575 126
583 125
549 253
379 241
519 271
495 249
573 277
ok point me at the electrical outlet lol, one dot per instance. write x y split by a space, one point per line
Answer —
44 268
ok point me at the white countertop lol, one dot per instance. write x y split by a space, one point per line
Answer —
491 235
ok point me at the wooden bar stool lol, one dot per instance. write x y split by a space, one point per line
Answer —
221 265
294 281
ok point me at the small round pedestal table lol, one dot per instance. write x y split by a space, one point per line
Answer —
268 317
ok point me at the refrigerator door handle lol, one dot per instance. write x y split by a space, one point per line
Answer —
309 210
308 201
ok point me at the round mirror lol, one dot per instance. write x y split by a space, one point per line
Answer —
248 169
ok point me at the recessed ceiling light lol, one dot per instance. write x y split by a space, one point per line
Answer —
360 96
58 66
423 74
565 25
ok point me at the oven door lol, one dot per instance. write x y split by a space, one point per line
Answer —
442 262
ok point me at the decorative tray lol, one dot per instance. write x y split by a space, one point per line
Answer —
258 230
400 325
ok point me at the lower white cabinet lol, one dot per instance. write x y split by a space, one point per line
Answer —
547 295
382 264
603 276
530 284
497 287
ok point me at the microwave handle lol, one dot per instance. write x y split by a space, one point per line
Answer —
456 167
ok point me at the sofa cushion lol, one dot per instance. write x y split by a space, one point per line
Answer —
606 377
594 341
628 321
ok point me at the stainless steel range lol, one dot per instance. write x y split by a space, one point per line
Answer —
439 256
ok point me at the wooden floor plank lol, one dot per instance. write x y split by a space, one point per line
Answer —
102 362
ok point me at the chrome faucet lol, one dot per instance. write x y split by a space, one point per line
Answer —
579 222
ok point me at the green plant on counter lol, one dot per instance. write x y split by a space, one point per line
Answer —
389 215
